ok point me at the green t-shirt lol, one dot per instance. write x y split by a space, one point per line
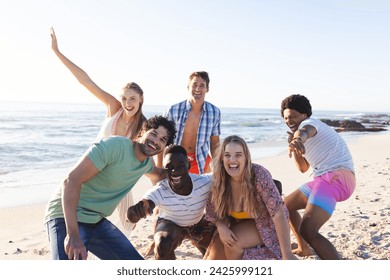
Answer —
119 172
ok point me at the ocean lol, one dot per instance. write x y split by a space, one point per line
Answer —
40 142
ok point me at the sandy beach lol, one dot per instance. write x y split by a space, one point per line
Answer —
359 227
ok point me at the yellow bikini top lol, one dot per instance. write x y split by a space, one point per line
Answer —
240 215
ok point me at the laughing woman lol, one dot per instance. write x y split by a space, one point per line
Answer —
245 204
123 118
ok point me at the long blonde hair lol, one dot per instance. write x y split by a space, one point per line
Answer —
221 193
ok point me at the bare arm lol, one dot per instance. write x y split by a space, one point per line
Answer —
283 231
159 160
156 175
301 163
84 171
226 235
112 104
214 145
296 146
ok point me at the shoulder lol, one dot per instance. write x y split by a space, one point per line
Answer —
211 106
177 108
178 105
257 167
318 125
161 188
113 141
163 184
259 171
311 121
206 178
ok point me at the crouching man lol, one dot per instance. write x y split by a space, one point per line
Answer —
181 199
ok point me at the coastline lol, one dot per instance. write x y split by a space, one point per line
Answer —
359 227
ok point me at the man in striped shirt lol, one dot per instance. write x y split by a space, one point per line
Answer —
317 146
198 124
181 199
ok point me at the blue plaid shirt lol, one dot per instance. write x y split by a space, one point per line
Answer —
209 125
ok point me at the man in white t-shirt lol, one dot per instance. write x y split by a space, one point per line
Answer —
181 199
314 144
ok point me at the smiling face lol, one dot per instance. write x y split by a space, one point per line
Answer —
234 160
154 141
131 101
293 119
197 89
177 166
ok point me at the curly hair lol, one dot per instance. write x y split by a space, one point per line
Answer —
298 103
221 191
156 121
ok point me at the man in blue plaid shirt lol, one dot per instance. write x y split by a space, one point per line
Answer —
198 124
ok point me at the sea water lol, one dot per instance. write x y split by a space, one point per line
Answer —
40 142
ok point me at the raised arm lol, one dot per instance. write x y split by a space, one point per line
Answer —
112 104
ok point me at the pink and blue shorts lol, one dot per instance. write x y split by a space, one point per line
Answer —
329 188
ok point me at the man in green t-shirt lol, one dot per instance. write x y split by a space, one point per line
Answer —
76 214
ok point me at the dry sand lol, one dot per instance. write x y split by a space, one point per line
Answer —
359 227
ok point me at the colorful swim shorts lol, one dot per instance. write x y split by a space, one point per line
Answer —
194 164
329 188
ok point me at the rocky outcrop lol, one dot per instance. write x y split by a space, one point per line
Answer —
352 125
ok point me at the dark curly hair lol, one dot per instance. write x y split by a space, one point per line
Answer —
156 121
298 103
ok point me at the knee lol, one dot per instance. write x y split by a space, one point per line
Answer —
164 247
308 231
235 252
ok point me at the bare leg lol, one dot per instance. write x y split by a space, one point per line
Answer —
313 219
151 247
248 236
215 251
202 234
166 238
295 201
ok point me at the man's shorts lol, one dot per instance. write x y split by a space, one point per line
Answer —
200 234
194 164
327 189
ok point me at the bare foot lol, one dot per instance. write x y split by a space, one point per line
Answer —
149 250
302 252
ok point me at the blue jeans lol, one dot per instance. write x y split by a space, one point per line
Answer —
103 239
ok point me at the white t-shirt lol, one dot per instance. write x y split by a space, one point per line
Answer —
327 150
183 210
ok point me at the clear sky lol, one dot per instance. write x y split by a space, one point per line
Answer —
336 52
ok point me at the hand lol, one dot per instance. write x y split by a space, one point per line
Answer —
290 136
54 44
296 146
75 248
227 236
140 210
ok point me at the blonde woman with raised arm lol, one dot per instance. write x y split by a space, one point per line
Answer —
124 118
